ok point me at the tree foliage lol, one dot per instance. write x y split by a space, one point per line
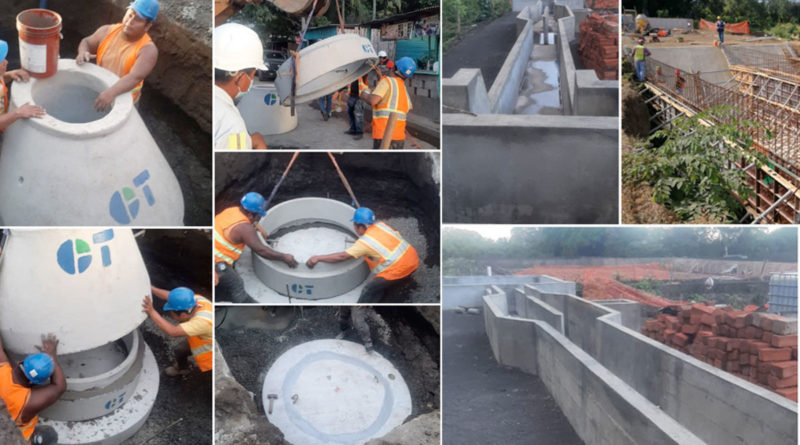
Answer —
762 14
468 12
692 171
465 246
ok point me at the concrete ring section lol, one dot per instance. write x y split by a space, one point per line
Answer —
99 367
262 111
333 391
94 403
121 424
325 280
68 96
325 67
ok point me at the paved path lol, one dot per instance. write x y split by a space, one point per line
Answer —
485 402
485 47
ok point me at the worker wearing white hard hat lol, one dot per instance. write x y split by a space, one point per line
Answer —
238 53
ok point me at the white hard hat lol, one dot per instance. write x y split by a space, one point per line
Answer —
237 47
382 54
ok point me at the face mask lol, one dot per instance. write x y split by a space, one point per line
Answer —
241 93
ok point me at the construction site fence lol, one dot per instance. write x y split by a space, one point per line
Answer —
733 28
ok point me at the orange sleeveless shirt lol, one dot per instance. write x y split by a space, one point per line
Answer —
118 55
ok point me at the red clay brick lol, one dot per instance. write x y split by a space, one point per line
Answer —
733 355
737 319
774 354
724 330
783 370
680 339
777 383
733 367
708 319
767 336
690 329
744 358
782 341
753 359
734 343
789 393
719 363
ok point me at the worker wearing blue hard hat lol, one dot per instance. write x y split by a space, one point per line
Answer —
390 97
125 49
391 258
32 386
234 228
195 315
20 75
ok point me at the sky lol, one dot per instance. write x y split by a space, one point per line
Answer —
492 231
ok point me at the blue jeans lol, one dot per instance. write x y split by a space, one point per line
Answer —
641 70
325 103
721 36
355 114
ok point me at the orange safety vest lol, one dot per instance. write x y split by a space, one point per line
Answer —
224 249
121 55
4 104
203 349
398 259
397 103
16 397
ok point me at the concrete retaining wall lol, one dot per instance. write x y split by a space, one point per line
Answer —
601 408
630 312
595 97
669 23
566 67
505 89
469 290
512 159
530 307
466 90
566 21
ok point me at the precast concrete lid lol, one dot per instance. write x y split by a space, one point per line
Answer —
121 424
334 392
84 285
325 67
59 94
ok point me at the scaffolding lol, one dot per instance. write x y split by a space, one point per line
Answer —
748 96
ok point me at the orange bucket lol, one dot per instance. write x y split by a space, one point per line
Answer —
39 40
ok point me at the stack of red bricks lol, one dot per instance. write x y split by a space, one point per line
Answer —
755 346
602 4
599 43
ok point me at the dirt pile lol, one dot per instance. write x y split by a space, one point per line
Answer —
599 45
758 347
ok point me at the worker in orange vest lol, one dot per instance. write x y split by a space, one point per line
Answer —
390 258
390 96
195 315
25 111
32 386
124 49
234 228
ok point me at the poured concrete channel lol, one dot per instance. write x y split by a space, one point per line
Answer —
176 99
616 385
402 189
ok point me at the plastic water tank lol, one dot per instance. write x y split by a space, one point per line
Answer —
80 167
783 293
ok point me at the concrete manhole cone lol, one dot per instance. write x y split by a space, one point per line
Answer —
79 167
334 392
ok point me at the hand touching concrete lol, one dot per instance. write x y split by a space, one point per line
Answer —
49 345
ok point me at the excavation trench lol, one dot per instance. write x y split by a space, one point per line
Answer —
402 190
253 338
177 116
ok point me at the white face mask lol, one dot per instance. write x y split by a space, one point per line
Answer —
241 93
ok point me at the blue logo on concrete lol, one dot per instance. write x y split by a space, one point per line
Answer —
116 401
302 289
75 256
124 205
271 99
368 48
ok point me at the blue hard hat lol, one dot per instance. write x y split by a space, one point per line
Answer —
406 66
3 50
147 9
38 368
254 202
180 299
363 215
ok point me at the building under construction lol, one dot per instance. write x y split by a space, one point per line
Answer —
744 83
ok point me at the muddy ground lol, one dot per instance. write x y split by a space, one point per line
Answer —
176 99
250 348
485 402
393 185
177 257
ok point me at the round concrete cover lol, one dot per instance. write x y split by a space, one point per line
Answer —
333 392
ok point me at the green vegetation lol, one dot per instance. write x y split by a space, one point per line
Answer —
771 16
458 15
690 178
467 251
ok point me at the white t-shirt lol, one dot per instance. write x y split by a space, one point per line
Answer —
230 131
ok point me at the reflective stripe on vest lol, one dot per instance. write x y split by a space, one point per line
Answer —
638 54
237 141
224 249
129 61
388 257
398 103
16 397
202 349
